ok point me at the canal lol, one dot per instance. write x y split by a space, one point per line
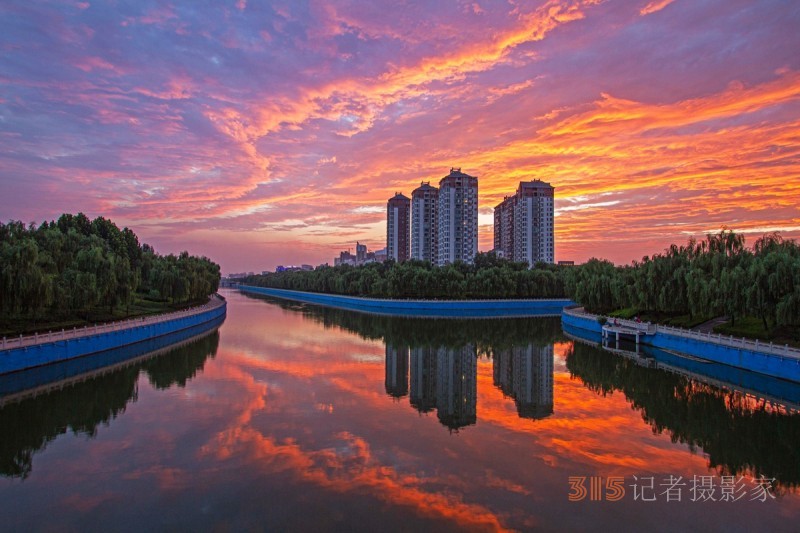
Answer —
300 417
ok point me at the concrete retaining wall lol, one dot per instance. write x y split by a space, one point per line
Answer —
15 359
423 308
710 348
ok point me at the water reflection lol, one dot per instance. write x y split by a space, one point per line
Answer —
396 370
525 373
740 433
82 406
434 362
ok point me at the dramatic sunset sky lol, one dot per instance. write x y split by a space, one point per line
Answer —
273 132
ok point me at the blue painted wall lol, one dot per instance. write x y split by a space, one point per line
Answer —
769 364
62 350
16 382
428 308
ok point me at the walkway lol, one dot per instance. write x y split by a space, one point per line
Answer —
75 333
708 327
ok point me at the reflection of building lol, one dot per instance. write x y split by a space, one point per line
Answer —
456 385
457 232
396 370
424 202
501 371
397 225
526 374
423 378
523 224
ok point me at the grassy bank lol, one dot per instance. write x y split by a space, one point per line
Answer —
747 327
675 320
141 307
753 328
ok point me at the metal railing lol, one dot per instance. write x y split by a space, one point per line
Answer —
86 331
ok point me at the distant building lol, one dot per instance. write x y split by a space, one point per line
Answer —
397 228
504 228
290 268
524 224
361 253
362 257
345 258
566 263
457 214
424 205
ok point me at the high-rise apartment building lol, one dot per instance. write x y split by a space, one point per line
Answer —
397 226
504 228
457 224
524 229
424 205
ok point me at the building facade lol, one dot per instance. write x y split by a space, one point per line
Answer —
397 228
424 208
457 224
524 224
504 228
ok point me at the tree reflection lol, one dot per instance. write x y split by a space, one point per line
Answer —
741 434
81 407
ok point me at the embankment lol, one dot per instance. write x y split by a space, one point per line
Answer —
422 308
755 356
36 350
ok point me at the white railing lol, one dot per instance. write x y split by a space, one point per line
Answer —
733 342
713 338
86 331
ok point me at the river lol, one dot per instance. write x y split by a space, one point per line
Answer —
299 417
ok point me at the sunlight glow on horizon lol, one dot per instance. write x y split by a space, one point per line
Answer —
278 135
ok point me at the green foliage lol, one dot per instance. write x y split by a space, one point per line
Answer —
489 278
71 266
686 284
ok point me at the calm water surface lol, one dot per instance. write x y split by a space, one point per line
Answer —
299 417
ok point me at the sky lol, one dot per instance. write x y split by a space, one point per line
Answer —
269 133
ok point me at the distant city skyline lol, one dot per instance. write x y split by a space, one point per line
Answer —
266 134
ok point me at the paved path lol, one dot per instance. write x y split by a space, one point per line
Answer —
708 327
75 333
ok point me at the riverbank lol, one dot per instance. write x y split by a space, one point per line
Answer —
422 308
765 358
142 307
21 353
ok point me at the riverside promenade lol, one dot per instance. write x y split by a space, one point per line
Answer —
23 352
781 361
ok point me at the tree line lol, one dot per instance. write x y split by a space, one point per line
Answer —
714 276
489 277
711 277
71 266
